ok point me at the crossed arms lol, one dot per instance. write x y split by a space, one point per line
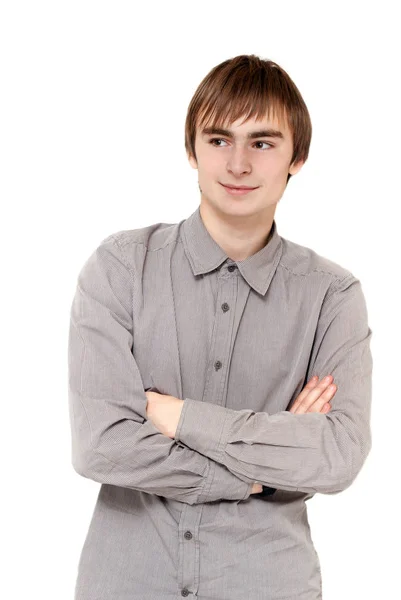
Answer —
217 452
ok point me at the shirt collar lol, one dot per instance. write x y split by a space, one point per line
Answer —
205 255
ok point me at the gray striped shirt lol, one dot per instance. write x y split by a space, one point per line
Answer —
162 307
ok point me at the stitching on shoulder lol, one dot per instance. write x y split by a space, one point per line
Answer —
313 271
121 247
116 242
128 241
334 286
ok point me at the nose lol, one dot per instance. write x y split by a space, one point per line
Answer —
238 162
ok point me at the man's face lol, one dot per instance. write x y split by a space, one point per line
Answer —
232 157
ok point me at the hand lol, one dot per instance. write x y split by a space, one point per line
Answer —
164 411
257 488
315 396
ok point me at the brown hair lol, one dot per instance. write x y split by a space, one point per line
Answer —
248 85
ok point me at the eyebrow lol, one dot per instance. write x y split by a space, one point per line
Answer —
251 135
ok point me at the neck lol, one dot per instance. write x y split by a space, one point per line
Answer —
240 236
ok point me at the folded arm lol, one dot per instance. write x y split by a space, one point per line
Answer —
112 440
310 452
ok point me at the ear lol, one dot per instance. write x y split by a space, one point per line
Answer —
295 167
192 161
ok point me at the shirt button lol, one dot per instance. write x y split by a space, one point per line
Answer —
231 268
225 306
188 535
218 365
184 592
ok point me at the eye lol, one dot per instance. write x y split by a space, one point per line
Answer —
215 140
267 143
221 140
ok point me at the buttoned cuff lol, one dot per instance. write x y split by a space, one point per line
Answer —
221 484
204 427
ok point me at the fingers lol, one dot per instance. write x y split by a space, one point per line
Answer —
312 383
315 396
309 386
256 488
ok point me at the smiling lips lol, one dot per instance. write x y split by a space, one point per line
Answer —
238 187
237 191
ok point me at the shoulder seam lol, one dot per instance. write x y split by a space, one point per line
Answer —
336 284
126 242
117 244
315 271
114 239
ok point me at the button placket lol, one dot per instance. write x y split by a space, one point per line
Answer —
214 391
225 307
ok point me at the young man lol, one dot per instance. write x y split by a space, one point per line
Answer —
191 354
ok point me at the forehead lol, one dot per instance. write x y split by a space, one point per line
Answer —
252 127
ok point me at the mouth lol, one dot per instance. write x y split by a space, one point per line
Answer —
238 191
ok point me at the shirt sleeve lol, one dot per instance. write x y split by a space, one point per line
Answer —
112 440
310 452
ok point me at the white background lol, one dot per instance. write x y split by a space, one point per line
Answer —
93 104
